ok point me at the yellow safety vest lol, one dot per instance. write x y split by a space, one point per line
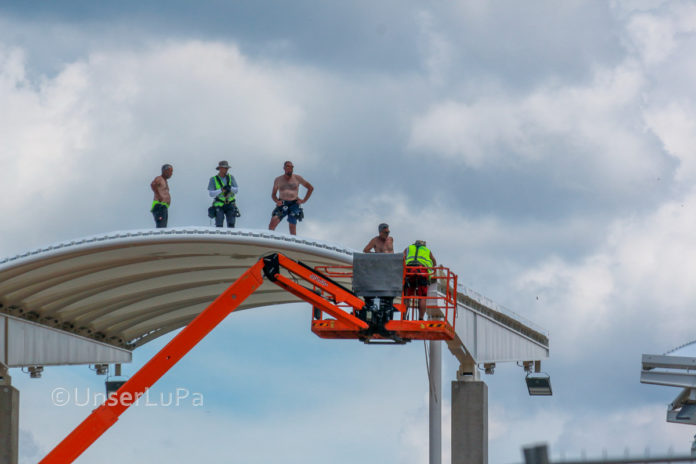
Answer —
221 199
420 255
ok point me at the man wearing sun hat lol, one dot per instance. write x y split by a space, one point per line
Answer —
223 189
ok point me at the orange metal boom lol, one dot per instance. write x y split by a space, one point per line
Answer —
107 414
345 325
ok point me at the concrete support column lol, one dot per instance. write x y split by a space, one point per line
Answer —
9 421
469 422
435 427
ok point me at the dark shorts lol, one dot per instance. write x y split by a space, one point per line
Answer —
417 284
291 209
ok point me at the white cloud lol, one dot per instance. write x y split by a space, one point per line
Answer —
675 125
655 33
509 430
639 278
95 135
436 49
593 434
652 36
597 432
589 132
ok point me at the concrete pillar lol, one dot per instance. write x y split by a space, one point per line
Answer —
9 424
435 422
469 422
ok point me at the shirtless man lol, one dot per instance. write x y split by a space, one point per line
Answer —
285 195
382 243
162 200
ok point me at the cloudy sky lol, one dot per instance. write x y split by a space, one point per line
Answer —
544 150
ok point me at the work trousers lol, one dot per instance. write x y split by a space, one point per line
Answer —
161 215
228 211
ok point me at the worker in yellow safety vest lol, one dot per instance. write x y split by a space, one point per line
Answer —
416 284
223 189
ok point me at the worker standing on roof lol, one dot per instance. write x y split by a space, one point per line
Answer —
382 243
223 188
285 195
162 200
419 256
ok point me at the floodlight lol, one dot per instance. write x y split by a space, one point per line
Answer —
35 371
101 369
536 454
539 384
112 386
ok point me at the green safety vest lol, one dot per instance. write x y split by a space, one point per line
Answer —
220 200
419 255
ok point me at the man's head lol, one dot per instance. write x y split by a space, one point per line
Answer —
223 167
167 171
383 229
419 243
288 167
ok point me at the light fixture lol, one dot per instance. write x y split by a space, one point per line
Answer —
101 369
539 384
112 386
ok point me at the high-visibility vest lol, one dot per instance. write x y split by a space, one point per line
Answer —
220 200
419 255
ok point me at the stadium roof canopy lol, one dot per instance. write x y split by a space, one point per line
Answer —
127 288
95 299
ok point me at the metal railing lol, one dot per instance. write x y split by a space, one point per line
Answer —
440 275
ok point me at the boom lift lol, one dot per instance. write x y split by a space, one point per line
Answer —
338 314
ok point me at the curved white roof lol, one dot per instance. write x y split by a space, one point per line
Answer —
129 287
687 349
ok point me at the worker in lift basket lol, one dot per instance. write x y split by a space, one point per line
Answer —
382 243
419 256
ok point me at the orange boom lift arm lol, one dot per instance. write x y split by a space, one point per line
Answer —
326 296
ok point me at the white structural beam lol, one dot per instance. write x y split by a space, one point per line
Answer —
665 370
652 361
24 343
492 334
668 379
485 333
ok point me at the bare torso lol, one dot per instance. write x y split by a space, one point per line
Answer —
160 187
288 188
380 245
